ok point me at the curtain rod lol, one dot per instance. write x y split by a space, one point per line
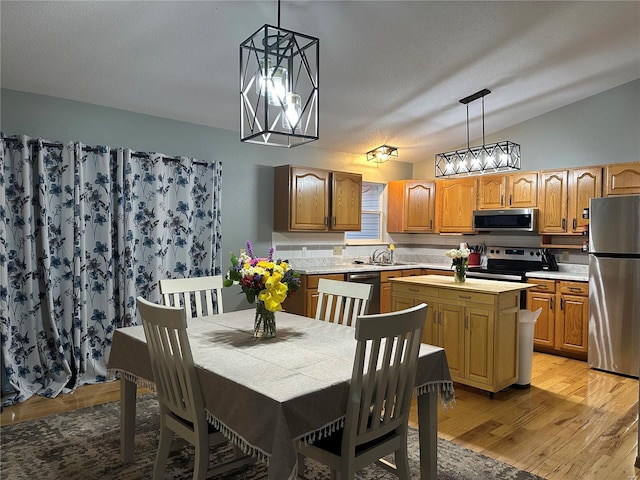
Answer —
94 150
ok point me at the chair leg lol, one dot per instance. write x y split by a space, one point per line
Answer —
300 465
402 463
166 436
201 461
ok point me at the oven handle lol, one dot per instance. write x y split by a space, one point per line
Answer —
359 277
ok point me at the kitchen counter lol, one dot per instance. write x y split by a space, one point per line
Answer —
566 271
355 268
494 287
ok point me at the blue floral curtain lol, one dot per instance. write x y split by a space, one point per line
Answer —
83 231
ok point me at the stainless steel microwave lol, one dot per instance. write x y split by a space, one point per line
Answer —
509 220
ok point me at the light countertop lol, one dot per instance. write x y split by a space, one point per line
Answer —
479 285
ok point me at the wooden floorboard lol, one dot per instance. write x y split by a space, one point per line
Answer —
572 423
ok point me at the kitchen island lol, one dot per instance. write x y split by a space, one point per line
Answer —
476 322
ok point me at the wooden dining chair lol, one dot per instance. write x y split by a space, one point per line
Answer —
342 302
382 384
198 295
180 398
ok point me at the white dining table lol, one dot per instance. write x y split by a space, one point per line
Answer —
269 394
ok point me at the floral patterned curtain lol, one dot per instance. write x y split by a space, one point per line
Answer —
83 231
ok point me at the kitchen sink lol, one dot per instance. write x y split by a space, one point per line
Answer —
385 264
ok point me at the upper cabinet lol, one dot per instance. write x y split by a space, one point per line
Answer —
455 203
410 206
316 200
514 190
563 195
622 179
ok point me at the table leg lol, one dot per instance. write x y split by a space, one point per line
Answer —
428 431
127 419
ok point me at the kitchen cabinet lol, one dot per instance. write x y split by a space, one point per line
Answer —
410 206
563 195
316 200
562 327
622 179
305 300
475 322
514 190
385 289
455 203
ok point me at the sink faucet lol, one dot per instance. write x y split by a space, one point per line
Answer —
381 256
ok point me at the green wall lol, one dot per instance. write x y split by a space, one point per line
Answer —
604 128
247 173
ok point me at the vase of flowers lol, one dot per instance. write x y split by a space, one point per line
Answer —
266 282
460 263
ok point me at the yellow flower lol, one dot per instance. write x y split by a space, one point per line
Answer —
274 293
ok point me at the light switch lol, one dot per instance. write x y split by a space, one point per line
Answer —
337 250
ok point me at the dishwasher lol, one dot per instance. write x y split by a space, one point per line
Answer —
373 279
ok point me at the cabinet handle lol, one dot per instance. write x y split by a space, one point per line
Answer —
431 224
326 221
543 287
510 199
575 289
574 223
562 304
414 289
551 303
502 200
564 223
464 296
333 221
466 322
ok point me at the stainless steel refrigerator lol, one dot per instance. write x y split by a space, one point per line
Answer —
614 284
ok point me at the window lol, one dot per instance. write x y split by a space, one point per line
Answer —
372 216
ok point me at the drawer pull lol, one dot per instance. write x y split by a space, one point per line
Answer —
414 289
464 296
575 289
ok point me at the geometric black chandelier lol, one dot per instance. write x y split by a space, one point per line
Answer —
279 87
495 157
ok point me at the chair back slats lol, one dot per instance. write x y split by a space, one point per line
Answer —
199 296
174 373
384 373
342 302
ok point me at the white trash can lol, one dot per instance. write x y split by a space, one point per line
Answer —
527 324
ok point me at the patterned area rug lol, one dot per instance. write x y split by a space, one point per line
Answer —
84 445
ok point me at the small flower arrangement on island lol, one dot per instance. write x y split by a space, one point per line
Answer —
265 281
460 262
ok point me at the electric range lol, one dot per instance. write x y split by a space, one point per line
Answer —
508 264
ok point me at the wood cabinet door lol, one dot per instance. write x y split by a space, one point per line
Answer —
491 192
479 345
553 202
543 333
584 184
346 201
385 297
571 323
456 200
451 319
522 190
419 207
309 199
400 302
431 330
622 179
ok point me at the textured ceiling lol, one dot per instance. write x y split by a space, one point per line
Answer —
390 71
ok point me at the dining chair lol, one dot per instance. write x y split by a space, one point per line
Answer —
342 302
198 295
180 398
382 384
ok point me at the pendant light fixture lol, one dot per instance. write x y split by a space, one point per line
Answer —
382 154
486 158
279 87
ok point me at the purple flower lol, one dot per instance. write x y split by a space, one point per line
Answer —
271 254
249 249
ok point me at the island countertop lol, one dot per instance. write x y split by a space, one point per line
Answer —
494 287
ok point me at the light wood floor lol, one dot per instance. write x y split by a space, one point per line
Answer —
573 423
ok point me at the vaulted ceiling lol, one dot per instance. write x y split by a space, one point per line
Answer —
390 71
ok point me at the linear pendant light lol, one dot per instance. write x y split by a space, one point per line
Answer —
279 87
486 158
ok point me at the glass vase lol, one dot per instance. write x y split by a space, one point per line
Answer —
460 275
264 324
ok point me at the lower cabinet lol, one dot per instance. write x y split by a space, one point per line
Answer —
478 331
562 327
305 300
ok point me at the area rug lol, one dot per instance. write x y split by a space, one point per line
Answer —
84 444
